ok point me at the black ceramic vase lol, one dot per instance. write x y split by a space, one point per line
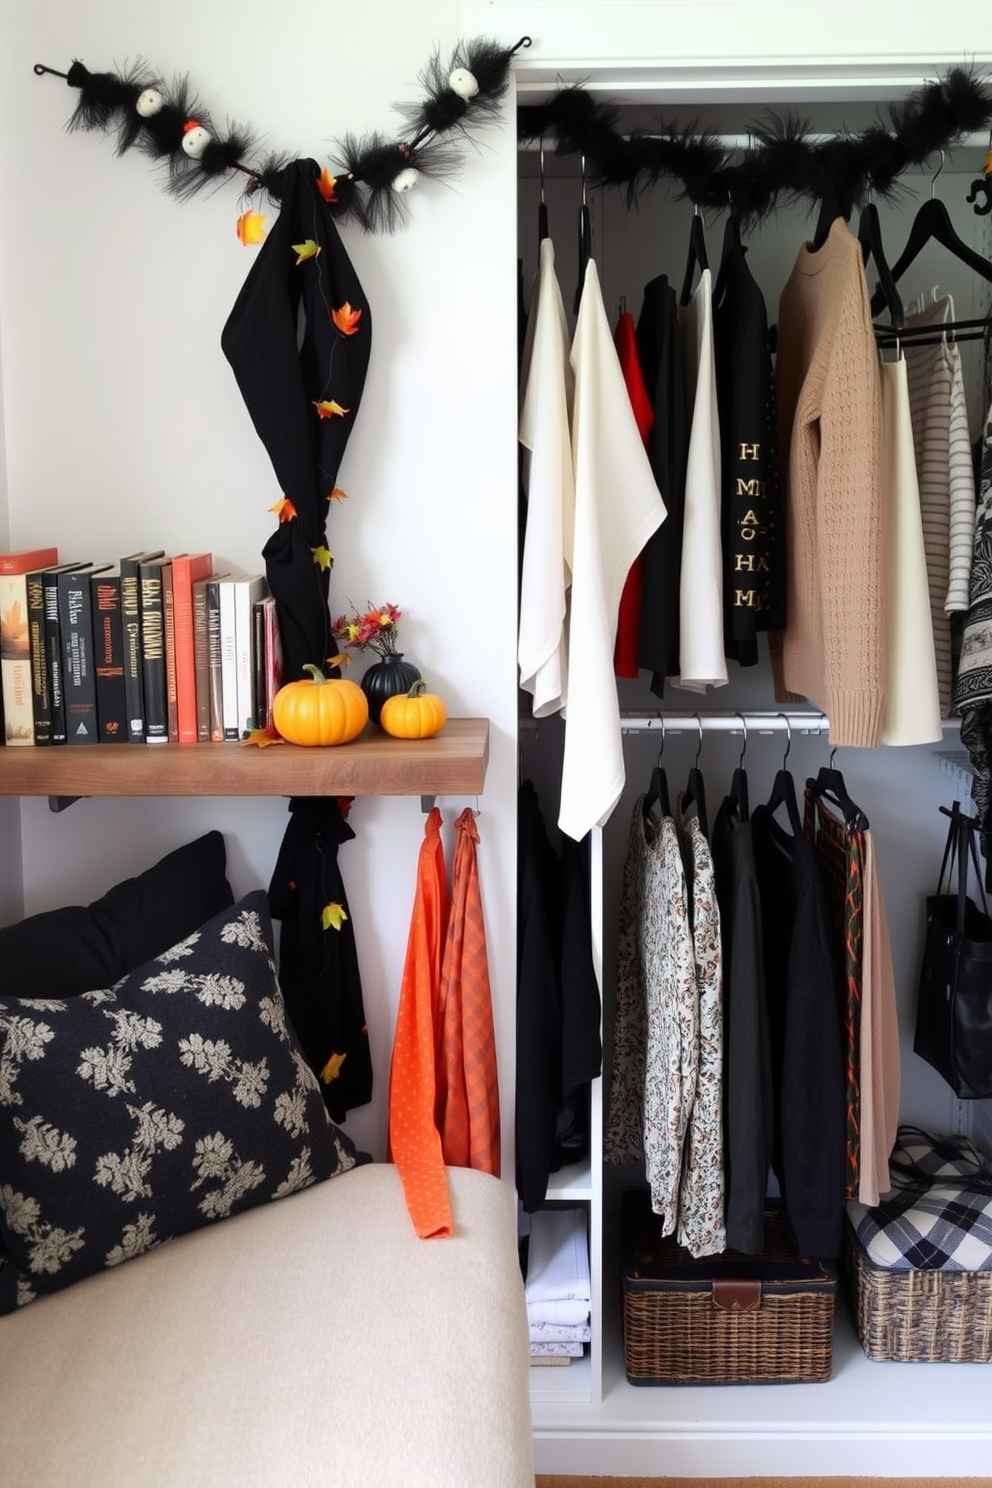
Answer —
385 679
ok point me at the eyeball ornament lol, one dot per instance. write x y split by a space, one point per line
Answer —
149 103
463 82
406 180
195 139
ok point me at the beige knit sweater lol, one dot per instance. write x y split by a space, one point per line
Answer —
830 422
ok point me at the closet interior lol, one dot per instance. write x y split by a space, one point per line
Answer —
588 1417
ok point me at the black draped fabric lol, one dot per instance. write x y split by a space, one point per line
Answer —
298 340
559 1051
290 356
318 967
660 354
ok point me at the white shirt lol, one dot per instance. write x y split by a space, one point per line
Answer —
544 432
617 507
702 662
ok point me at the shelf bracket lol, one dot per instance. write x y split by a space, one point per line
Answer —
59 803
427 803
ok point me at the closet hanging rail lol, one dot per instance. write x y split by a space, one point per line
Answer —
727 723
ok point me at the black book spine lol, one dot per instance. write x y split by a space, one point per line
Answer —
78 669
258 665
41 701
153 653
134 691
108 650
53 653
201 661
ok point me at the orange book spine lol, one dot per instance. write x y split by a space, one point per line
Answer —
187 569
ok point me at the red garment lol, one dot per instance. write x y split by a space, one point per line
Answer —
413 1141
467 1087
629 616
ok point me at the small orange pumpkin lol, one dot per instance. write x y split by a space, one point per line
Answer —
417 714
323 710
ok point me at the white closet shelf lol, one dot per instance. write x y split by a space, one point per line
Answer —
844 1427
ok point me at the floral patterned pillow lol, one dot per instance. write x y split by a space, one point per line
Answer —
132 1115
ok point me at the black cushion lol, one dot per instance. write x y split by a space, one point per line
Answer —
132 1115
65 951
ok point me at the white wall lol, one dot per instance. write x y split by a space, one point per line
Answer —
125 428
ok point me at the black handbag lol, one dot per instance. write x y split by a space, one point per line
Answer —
954 1010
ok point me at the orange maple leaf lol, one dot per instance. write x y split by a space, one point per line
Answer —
326 184
284 509
346 319
261 738
251 228
338 495
327 408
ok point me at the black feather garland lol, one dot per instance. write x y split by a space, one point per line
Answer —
784 163
170 125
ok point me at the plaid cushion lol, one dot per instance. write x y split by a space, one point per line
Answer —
938 1214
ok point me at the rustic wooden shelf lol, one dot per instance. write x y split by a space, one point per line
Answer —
451 764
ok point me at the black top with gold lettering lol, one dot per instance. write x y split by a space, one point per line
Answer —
751 507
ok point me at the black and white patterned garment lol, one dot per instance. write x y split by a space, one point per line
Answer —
938 1214
973 684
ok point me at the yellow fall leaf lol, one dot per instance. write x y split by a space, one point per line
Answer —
308 249
333 916
332 1068
323 557
327 408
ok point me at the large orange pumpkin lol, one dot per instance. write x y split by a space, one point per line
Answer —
323 710
417 714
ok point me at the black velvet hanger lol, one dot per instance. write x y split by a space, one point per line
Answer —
784 790
695 790
542 209
784 794
657 791
932 223
585 249
830 783
737 796
870 238
697 256
828 215
732 247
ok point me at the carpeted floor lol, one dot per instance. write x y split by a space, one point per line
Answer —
573 1482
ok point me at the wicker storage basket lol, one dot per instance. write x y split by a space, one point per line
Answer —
726 1319
918 1316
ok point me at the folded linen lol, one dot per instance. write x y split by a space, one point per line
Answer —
560 1333
558 1350
558 1311
558 1261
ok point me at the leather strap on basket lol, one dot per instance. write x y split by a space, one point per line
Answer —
737 1296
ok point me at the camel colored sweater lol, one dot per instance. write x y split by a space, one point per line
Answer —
830 421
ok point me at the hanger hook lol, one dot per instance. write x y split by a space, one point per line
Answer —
582 168
788 742
699 746
740 762
540 150
661 750
830 762
933 178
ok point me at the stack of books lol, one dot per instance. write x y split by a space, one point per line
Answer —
153 648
